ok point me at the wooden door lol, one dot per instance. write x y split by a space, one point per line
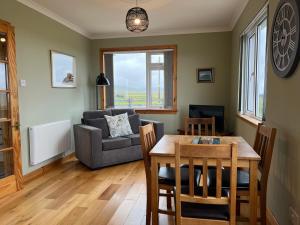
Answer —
10 159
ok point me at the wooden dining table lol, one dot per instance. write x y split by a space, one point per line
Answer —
164 153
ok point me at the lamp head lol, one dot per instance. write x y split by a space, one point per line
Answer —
102 80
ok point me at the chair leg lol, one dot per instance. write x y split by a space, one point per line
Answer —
238 207
263 209
148 209
169 201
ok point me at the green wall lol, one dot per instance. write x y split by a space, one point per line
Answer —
282 112
39 103
194 51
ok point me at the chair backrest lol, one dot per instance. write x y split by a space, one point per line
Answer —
207 155
148 140
206 126
263 145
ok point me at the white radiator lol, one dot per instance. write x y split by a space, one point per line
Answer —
49 140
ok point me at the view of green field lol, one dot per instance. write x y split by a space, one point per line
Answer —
138 100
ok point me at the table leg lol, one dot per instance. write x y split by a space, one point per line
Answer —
253 192
154 190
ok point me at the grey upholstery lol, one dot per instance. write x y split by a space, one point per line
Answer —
158 128
96 114
135 139
121 111
95 150
135 123
115 143
100 123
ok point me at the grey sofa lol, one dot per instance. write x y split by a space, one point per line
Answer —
95 148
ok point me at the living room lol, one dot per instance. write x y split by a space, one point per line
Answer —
206 36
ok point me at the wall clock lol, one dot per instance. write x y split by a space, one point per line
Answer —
285 38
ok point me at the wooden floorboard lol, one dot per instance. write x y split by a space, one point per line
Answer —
71 194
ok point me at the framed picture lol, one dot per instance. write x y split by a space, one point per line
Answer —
63 70
205 75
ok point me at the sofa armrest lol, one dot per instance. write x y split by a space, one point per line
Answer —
158 127
88 145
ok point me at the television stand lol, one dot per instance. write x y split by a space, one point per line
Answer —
224 133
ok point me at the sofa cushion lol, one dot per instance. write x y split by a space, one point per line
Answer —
115 143
100 123
135 123
118 125
115 112
96 114
135 139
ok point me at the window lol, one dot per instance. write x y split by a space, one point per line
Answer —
253 67
143 79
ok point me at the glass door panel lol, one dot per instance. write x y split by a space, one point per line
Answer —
4 112
3 46
5 135
3 76
6 164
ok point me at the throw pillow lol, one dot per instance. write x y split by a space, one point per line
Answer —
135 123
100 123
118 125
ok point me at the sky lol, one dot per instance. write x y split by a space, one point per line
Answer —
129 71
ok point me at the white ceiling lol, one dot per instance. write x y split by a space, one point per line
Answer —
106 18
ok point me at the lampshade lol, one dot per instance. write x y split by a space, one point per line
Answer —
102 80
137 20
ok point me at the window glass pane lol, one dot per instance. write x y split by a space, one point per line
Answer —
157 88
6 164
251 74
3 71
261 68
130 80
157 58
3 105
3 46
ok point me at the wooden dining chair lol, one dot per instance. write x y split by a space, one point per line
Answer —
203 205
263 145
166 174
203 126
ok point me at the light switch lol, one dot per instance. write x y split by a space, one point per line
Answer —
23 83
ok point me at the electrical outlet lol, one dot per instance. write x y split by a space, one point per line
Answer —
294 217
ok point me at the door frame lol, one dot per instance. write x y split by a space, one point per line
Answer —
14 182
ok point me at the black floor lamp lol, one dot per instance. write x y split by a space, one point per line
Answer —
101 82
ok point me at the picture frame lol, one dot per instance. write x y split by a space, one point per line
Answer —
205 75
63 70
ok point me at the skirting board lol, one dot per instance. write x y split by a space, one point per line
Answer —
45 169
270 218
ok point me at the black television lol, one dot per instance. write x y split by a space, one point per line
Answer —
205 111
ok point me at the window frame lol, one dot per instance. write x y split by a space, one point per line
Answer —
158 48
252 29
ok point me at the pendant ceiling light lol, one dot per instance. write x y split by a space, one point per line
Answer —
137 19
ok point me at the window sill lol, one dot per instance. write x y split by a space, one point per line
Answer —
250 120
156 111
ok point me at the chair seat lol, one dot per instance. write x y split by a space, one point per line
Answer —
202 211
242 178
205 211
166 176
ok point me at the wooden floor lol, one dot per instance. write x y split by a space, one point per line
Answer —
72 194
